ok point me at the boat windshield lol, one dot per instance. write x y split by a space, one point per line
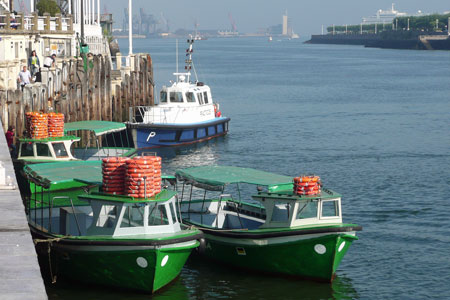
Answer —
27 149
60 150
42 150
176 97
330 208
307 209
205 97
200 98
190 97
133 217
163 97
157 215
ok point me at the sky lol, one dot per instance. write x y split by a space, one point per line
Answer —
307 16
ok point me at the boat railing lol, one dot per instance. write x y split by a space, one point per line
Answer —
73 211
49 207
168 114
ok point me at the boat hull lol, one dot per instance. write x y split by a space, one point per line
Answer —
314 256
140 267
167 135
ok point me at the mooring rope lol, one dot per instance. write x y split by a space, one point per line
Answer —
49 249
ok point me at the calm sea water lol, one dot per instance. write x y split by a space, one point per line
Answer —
374 124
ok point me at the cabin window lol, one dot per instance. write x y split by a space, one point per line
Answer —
190 97
157 215
172 212
281 211
307 210
60 150
330 208
176 97
133 217
27 149
163 97
205 97
42 150
200 98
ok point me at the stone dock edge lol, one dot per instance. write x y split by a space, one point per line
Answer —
19 268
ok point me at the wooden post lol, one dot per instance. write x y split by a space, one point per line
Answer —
151 100
108 89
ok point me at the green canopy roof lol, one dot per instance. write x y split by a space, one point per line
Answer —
98 127
216 177
46 174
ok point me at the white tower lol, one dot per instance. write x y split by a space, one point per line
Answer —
285 24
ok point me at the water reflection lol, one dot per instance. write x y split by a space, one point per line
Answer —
199 154
202 279
208 280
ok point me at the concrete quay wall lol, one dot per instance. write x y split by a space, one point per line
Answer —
20 275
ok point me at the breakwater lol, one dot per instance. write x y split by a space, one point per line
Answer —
391 40
88 89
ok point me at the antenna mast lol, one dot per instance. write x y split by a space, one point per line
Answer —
188 60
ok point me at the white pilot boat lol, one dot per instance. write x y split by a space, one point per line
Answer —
186 114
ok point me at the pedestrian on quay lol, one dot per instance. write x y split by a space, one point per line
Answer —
10 141
33 63
49 61
24 77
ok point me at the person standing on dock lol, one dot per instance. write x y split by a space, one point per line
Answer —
10 140
33 63
24 77
49 61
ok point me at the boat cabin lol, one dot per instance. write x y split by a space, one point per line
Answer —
64 148
276 205
289 210
180 103
49 149
110 215
122 215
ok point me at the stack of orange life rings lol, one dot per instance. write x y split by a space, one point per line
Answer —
143 176
307 185
113 170
37 125
55 125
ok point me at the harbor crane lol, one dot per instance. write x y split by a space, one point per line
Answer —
233 23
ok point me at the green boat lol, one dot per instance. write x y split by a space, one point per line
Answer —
277 232
108 240
98 135
95 145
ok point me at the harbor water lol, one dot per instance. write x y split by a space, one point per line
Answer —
373 123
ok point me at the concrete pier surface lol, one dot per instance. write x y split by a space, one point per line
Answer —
20 276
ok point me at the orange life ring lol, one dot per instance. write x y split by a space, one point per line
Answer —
115 159
307 178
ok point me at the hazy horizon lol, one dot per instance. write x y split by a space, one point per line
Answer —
307 17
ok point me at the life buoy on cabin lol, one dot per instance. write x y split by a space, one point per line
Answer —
307 185
217 112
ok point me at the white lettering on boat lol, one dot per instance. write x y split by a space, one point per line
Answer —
152 134
205 112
